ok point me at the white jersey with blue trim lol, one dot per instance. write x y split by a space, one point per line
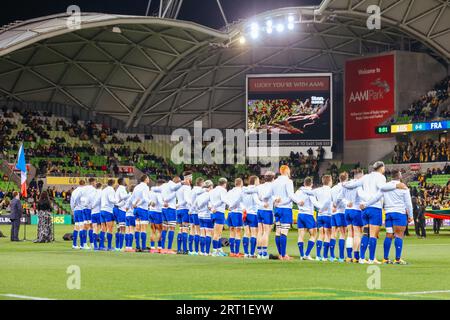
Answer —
337 202
395 201
156 201
129 209
323 196
97 204
87 196
266 195
195 192
351 196
122 197
75 199
234 199
218 198
309 201
182 194
108 199
250 200
371 184
141 196
169 193
201 203
283 188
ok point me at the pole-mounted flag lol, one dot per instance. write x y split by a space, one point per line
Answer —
22 166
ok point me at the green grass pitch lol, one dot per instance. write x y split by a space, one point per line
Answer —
40 270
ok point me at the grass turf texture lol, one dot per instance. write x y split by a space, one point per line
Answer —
39 270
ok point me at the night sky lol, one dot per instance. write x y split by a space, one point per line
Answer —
205 12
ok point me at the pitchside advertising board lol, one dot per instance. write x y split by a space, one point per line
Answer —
369 95
296 106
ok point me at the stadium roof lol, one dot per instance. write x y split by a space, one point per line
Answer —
165 72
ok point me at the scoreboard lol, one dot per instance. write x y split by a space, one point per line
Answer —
413 127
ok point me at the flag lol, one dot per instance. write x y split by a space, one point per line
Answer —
22 166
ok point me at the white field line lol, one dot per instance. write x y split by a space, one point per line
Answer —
10 295
422 292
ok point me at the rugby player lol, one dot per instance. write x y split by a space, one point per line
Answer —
235 219
96 215
338 223
77 209
141 199
108 201
182 194
250 203
121 211
88 193
399 212
169 213
194 233
130 222
218 204
265 214
155 217
204 215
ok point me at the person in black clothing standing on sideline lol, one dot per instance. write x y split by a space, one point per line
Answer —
421 219
44 209
16 215
436 222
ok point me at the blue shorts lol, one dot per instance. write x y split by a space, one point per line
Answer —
285 215
353 217
141 214
338 220
130 221
206 223
219 218
372 216
78 216
193 219
265 217
96 218
120 216
251 221
115 212
306 221
235 219
396 219
155 217
107 216
183 216
87 215
169 215
277 214
324 222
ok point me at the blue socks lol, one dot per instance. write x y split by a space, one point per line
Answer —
163 238
144 240
191 243
364 245
341 248
117 237
387 247
301 249
398 248
237 245
102 240
372 248
309 248
245 243
75 237
202 244
208 244
184 239
196 242
326 246
332 245
252 245
94 239
277 242
231 240
283 245
137 237
179 241
170 239
356 255
109 237
319 248
91 236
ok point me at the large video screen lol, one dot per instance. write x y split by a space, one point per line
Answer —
297 106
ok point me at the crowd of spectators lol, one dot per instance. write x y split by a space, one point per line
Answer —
426 107
421 151
434 195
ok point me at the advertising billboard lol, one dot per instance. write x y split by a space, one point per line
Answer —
369 95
